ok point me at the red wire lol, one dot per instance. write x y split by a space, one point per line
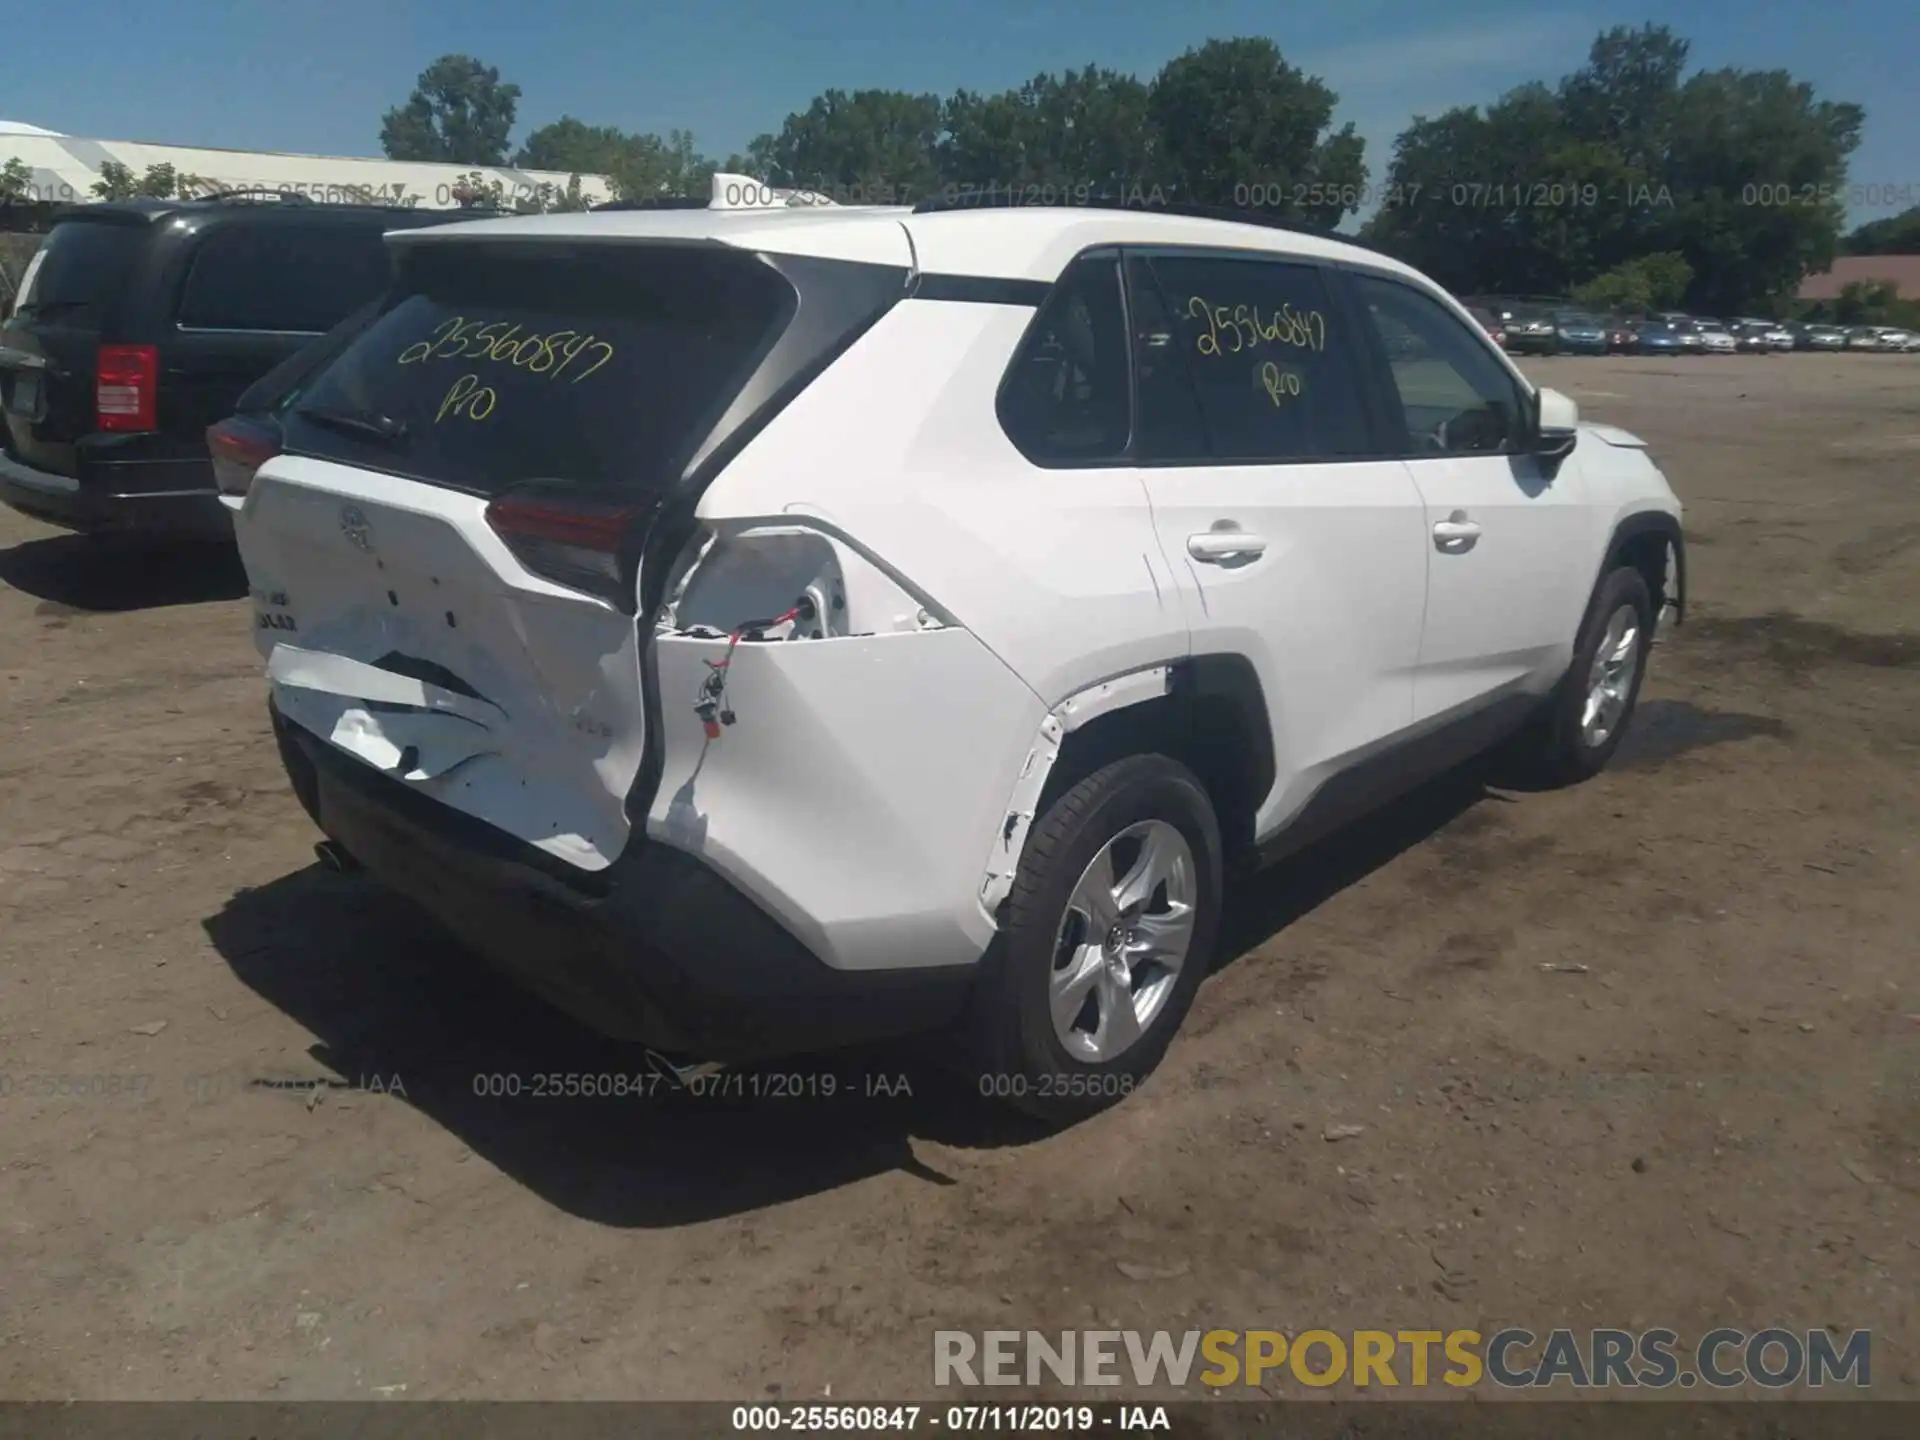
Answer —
734 638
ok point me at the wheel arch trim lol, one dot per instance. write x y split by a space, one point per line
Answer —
1227 678
1667 526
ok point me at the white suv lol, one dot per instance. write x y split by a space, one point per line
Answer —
768 631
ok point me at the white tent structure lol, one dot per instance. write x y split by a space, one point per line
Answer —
65 168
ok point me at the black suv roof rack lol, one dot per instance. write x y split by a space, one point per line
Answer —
256 192
658 202
1013 200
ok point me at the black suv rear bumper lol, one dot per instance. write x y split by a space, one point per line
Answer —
661 950
165 497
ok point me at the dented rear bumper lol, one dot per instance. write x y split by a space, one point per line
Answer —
657 948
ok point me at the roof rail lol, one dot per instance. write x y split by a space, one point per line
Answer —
257 192
1133 200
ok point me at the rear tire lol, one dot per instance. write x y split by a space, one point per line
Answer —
1109 930
1588 715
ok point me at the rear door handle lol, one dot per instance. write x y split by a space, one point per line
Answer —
1456 532
1213 546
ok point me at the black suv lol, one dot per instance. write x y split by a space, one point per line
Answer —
140 323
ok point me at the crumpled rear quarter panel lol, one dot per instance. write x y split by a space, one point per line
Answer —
855 794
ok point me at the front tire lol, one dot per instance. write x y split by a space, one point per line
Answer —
1109 930
1591 710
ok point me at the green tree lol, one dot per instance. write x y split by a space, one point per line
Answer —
871 139
118 182
1895 235
1647 284
16 181
573 145
1234 113
1757 165
640 166
1504 199
1734 170
1080 128
1873 302
460 112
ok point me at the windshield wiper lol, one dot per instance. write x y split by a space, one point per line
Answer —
366 424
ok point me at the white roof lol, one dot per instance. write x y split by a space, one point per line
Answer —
1019 243
20 127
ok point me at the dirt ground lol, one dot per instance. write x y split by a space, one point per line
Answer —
1645 1052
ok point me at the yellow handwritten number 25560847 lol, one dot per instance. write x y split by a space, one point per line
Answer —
457 338
1242 326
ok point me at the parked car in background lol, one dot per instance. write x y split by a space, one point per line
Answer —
1779 337
1661 337
140 323
1532 332
1715 338
1621 339
1824 337
1904 341
1750 337
1579 333
1864 337
1483 317
597 683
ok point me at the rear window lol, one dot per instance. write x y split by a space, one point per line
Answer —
498 365
282 277
80 270
281 386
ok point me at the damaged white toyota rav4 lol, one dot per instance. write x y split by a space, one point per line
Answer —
763 631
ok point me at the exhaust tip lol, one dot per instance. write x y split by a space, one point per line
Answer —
336 858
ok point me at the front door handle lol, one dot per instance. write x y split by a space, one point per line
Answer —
1214 546
1455 533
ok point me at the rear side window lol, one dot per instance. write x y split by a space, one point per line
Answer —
282 277
1065 400
603 365
80 270
1272 373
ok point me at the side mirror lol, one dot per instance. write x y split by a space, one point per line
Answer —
1556 425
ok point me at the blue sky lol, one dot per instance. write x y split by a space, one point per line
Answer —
318 77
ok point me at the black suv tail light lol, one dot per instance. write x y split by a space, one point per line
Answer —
126 390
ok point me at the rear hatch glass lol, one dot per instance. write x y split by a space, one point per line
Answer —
498 364
81 269
69 300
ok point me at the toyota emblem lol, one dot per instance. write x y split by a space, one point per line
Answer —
353 525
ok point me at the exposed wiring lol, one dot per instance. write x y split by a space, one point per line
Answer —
712 707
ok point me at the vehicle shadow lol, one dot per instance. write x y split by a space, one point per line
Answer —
1260 906
115 574
388 994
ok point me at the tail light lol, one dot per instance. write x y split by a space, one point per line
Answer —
240 447
570 539
126 388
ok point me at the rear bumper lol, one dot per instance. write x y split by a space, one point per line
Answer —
658 948
173 498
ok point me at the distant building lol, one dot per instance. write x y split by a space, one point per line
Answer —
1902 270
65 170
